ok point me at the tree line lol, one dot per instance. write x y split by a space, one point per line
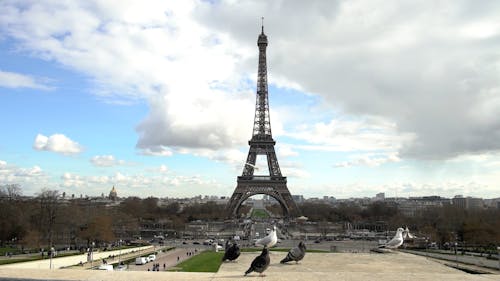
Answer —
47 219
444 225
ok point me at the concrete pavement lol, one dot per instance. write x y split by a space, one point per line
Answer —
316 266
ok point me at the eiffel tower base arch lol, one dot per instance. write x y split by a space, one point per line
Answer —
275 187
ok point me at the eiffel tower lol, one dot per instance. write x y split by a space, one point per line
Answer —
262 143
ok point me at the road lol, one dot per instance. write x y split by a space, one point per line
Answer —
167 259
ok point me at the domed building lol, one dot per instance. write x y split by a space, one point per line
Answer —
112 194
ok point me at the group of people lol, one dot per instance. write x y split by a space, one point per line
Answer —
156 267
191 253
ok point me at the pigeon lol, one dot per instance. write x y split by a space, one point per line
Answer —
270 240
232 252
260 263
396 241
296 253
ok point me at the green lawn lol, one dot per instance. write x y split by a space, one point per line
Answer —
259 213
14 260
207 261
4 250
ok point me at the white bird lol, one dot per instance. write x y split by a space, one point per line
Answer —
252 165
396 241
270 240
407 234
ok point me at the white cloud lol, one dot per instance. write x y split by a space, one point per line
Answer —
284 150
163 169
72 180
106 161
28 177
190 75
156 151
17 80
369 134
369 160
163 184
58 143
429 69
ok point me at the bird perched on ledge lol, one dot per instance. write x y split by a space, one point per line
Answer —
296 254
232 251
396 241
260 263
270 240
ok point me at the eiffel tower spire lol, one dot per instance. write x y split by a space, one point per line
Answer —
262 121
262 143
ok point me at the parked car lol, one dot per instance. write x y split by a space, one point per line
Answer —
151 258
121 267
105 267
141 260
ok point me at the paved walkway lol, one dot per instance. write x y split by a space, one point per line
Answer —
474 260
76 259
325 266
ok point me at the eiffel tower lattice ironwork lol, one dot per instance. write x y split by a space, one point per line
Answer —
262 143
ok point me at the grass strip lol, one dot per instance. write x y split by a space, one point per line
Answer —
14 260
259 213
207 261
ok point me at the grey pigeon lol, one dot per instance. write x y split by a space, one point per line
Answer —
232 252
260 263
296 253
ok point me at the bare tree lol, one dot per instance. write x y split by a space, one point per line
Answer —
49 206
10 191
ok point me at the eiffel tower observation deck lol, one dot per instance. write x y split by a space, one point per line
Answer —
262 143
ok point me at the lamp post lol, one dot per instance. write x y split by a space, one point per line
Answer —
498 256
51 253
92 254
120 253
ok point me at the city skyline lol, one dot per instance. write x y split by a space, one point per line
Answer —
159 100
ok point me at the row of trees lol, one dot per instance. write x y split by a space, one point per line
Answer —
446 224
46 220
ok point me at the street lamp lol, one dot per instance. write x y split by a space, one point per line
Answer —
498 257
92 254
120 253
51 253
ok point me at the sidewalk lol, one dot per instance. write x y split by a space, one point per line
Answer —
395 266
76 259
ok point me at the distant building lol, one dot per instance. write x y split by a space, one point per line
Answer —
471 203
112 194
298 198
474 203
413 205
329 199
380 196
459 201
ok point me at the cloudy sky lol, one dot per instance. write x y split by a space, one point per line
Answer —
157 98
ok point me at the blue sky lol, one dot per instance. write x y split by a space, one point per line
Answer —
158 99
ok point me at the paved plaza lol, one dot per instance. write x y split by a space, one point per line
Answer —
316 266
